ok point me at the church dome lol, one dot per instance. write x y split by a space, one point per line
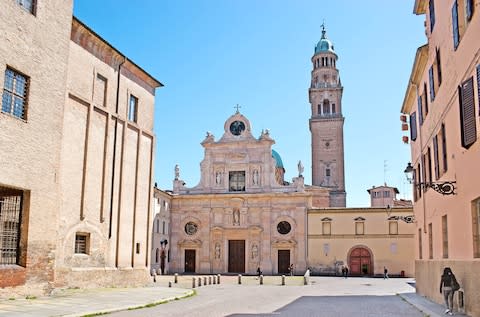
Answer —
278 159
324 45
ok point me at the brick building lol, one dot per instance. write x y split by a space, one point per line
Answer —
77 144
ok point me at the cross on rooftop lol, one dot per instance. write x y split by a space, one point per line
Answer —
237 106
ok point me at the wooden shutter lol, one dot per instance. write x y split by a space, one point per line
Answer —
425 100
420 110
435 157
431 83
467 113
439 66
413 126
444 149
431 9
455 31
478 85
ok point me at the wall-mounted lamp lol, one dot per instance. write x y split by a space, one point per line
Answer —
444 188
407 219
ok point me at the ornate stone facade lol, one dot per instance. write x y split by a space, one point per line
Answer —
240 217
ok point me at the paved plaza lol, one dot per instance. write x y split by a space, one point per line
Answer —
324 296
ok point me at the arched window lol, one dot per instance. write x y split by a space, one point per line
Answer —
326 107
319 109
333 108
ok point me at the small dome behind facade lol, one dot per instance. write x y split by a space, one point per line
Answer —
277 158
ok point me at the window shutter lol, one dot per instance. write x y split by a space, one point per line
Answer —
420 110
478 85
439 67
431 83
435 157
432 14
425 101
467 113
444 148
469 9
413 126
456 35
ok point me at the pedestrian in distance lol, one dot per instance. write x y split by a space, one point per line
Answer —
385 273
448 286
290 269
259 272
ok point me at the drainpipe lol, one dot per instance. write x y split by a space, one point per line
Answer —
115 146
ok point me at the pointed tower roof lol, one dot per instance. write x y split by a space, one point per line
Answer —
324 45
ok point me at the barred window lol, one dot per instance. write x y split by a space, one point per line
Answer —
10 218
237 181
15 93
29 5
82 241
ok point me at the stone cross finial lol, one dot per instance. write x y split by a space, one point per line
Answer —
237 106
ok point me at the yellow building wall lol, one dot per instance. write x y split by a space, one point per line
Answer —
327 252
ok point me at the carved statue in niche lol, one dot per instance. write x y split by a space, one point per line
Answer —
255 177
218 177
217 251
236 217
254 251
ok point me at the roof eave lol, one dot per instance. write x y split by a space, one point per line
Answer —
419 63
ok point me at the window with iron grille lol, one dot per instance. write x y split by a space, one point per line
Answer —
29 5
10 219
82 243
15 94
237 181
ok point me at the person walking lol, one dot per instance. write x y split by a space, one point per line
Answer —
290 269
448 286
385 273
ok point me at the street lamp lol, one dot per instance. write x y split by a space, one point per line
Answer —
407 219
444 188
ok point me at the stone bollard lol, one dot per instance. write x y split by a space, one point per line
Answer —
239 278
170 284
218 279
193 282
210 280
283 279
204 280
176 278
214 279
261 279
199 281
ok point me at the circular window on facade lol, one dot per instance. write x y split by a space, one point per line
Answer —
284 227
191 228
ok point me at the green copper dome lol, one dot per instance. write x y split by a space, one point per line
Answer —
324 45
277 158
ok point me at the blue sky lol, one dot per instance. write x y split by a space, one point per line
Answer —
213 54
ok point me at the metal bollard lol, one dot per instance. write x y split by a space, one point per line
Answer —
204 280
239 278
210 280
261 279
199 281
170 284
218 278
283 279
176 278
193 282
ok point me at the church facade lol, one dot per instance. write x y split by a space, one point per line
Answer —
242 215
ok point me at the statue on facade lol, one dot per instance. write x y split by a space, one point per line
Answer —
177 172
236 217
218 177
255 177
254 251
300 168
217 251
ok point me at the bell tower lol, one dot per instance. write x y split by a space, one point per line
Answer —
326 122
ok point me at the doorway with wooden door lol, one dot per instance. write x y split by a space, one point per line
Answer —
236 256
283 261
360 261
189 261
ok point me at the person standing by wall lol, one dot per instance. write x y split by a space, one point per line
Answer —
385 273
448 286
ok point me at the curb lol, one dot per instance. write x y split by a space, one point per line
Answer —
186 294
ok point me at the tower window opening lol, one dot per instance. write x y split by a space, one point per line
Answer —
326 107
333 108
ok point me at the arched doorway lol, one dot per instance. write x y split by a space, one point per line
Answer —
360 261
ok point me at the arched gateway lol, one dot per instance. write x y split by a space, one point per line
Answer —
360 261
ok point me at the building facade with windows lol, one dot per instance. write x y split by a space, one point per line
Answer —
442 101
363 239
76 137
240 216
161 232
